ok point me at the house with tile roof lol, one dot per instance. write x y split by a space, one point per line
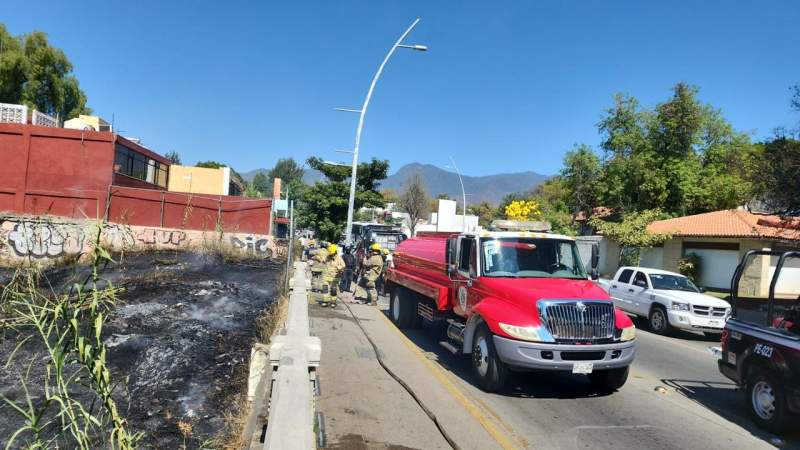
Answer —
720 239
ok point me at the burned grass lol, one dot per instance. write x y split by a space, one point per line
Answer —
180 333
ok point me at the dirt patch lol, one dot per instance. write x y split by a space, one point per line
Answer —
181 333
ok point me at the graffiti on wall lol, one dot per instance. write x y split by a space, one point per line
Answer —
118 237
43 239
254 244
163 237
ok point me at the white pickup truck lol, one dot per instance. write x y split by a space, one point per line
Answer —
667 299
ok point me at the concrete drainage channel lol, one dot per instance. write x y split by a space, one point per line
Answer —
282 384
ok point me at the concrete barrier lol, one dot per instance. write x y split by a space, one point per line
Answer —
294 355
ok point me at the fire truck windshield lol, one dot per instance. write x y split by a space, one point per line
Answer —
531 258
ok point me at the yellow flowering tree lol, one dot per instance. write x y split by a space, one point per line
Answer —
523 210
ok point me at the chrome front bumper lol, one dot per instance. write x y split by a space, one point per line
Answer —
549 356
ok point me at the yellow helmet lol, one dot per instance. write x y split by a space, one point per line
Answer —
332 249
385 251
375 247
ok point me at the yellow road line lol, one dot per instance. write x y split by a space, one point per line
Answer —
485 421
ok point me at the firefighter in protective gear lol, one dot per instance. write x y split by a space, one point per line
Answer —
373 267
318 288
334 265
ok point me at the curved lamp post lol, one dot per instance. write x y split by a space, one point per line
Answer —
362 113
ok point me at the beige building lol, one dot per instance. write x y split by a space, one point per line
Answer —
89 123
720 239
199 180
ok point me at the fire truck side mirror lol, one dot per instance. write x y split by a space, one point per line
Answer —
595 255
595 261
450 256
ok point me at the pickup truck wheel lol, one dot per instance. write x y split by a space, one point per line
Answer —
766 401
401 308
609 380
490 372
659 320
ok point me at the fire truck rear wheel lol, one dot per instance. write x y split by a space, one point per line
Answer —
402 307
609 380
490 372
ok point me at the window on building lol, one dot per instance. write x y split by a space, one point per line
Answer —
135 165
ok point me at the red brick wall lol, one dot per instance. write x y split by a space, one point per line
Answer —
68 173
54 170
186 211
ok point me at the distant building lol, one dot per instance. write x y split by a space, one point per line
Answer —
202 180
720 239
446 219
87 123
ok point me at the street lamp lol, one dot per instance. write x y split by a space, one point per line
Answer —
463 195
362 113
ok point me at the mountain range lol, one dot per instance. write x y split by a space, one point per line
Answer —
490 188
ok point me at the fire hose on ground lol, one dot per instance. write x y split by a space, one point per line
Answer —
405 386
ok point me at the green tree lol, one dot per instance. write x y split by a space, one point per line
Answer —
414 201
34 73
261 183
553 196
210 164
323 207
631 232
288 170
173 157
485 212
682 157
580 176
389 195
777 182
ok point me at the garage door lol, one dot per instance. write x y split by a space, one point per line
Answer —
716 266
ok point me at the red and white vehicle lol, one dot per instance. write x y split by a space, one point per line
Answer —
512 300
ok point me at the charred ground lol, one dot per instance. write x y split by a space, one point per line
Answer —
180 332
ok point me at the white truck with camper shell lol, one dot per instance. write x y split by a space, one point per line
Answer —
668 300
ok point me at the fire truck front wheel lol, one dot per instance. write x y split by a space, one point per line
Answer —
490 372
609 380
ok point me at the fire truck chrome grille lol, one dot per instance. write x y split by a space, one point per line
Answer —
578 320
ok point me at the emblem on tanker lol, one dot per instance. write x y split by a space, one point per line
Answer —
462 298
581 307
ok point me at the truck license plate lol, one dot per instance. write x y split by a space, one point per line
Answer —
714 323
582 367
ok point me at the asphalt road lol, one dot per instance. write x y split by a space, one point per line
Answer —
696 409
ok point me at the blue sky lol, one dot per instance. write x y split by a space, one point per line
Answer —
506 86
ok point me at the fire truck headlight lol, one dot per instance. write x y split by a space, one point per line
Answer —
628 334
524 333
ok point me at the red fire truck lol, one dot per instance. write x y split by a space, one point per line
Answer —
514 298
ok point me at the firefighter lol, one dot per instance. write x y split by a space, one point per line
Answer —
380 284
334 265
373 267
318 259
350 268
